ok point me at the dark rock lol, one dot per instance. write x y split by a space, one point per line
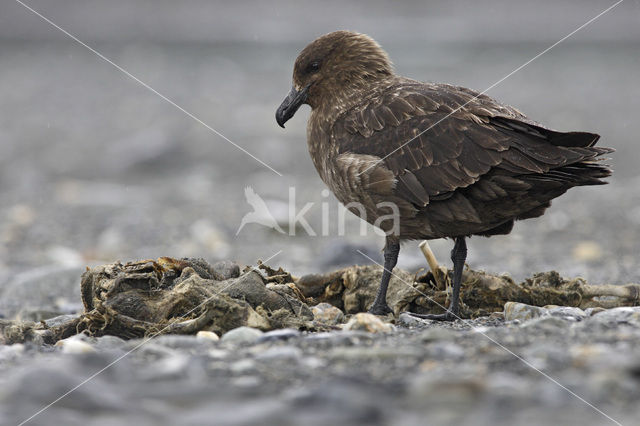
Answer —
242 335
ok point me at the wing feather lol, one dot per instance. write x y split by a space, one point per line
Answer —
440 140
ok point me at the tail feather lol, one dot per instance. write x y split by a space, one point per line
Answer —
566 139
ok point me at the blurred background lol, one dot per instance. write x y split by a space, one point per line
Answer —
95 168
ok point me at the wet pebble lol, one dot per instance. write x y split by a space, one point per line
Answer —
242 335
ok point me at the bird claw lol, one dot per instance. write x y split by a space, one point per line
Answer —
447 316
380 309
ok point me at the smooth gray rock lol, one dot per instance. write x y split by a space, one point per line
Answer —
623 315
568 312
242 335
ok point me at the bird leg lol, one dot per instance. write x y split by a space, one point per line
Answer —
391 250
458 256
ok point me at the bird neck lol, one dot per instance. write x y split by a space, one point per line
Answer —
336 102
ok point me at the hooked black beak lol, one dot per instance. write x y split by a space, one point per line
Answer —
290 105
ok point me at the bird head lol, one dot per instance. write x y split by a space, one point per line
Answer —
334 65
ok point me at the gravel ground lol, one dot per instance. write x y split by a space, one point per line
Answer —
470 372
96 168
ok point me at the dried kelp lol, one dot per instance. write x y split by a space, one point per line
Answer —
353 289
184 296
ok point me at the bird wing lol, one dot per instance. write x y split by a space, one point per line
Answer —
456 137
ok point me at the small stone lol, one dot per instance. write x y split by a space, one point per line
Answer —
207 335
242 335
407 320
75 345
567 312
522 311
281 334
367 322
622 315
327 314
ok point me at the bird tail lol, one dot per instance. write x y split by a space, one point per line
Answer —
581 173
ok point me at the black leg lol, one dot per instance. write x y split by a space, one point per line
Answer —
458 256
391 250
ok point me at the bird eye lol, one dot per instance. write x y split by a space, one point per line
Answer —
313 66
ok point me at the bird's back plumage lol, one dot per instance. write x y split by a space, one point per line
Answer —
461 162
424 160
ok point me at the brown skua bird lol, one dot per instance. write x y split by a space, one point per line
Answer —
448 161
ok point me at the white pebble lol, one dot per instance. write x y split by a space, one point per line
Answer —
75 346
207 335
